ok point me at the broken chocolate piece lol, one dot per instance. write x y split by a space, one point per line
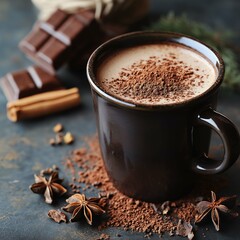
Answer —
52 43
28 82
57 216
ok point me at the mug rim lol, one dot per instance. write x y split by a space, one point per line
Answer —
182 39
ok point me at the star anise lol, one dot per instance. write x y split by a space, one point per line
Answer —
223 205
79 203
48 187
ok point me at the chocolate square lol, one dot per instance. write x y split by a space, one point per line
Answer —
27 82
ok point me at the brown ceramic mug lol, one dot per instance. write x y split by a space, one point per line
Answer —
155 153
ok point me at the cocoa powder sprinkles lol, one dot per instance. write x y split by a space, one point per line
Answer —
153 79
158 74
173 218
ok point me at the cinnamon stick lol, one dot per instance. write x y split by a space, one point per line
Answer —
43 104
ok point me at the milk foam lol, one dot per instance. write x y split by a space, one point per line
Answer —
112 66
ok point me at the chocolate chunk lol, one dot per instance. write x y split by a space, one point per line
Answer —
52 43
27 82
54 21
51 55
34 41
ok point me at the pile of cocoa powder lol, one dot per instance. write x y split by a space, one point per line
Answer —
88 173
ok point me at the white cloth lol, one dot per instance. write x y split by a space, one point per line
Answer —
101 7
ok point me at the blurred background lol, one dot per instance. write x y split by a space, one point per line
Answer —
213 21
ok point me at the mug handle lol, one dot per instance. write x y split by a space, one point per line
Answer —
229 136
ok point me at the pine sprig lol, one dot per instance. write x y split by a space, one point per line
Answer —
217 39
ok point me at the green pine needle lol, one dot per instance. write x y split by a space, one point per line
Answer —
214 38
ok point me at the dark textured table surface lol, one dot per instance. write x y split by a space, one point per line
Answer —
24 147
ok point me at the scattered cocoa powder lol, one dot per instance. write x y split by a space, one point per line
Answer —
153 79
87 170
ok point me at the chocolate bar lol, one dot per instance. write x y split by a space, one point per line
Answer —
52 43
28 82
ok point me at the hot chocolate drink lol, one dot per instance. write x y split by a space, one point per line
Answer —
156 74
153 93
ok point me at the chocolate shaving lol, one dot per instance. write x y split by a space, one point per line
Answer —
184 229
163 208
57 216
